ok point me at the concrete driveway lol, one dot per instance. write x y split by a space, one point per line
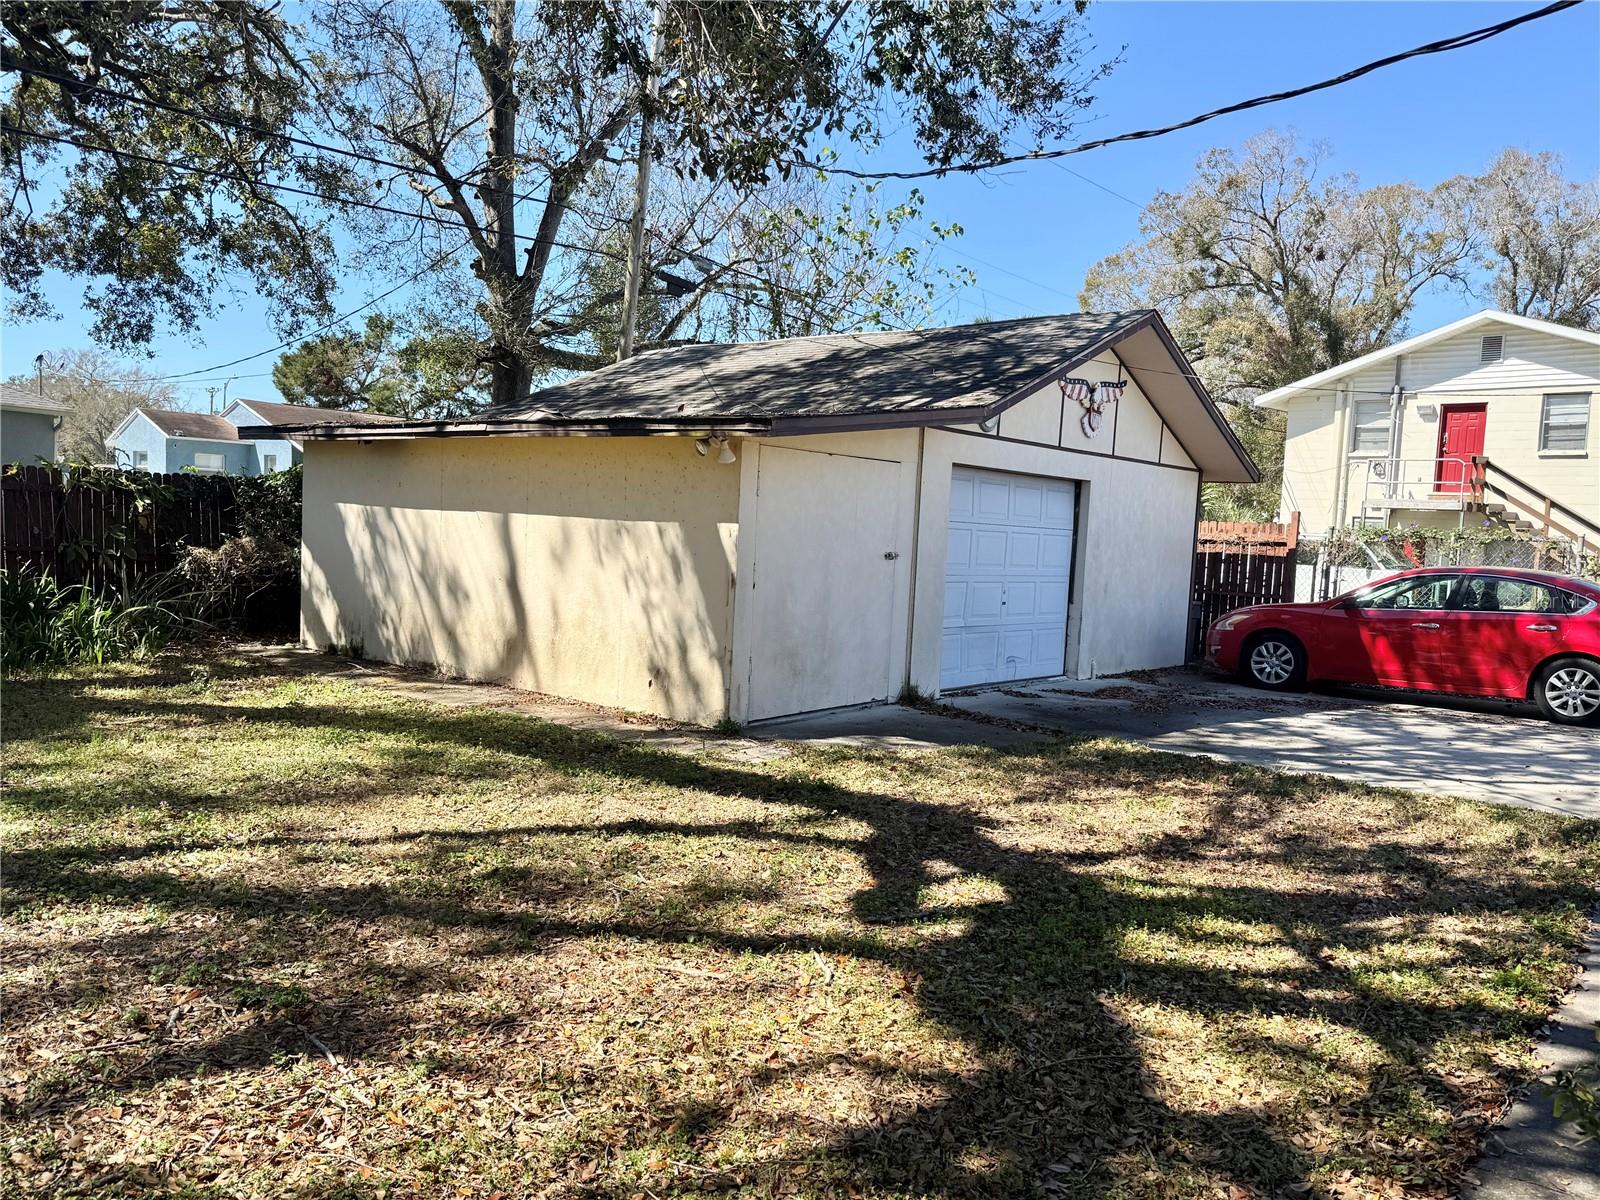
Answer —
1480 749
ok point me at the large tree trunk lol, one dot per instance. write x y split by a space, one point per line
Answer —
511 378
510 296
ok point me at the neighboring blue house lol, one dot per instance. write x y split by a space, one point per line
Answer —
28 425
164 441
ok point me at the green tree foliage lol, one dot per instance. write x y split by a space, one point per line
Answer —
821 258
491 129
435 373
1267 272
804 258
341 370
161 230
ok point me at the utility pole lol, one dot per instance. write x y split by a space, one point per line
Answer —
641 188
212 393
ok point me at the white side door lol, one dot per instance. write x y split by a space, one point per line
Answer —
823 581
1006 577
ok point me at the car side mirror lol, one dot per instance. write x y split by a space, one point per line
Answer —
1350 604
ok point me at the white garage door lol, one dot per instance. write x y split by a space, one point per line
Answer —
1005 593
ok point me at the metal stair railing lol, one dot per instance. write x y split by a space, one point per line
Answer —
1392 483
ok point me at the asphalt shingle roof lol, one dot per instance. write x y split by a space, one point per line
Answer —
275 413
837 375
191 424
28 397
899 378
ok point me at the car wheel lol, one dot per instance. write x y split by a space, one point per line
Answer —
1275 661
1568 691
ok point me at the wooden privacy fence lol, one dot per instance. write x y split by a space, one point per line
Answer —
108 530
1238 563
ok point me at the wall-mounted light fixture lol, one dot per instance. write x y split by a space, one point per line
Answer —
725 452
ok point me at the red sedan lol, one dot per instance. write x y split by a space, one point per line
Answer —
1476 631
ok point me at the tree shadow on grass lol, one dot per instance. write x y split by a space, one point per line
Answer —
1039 983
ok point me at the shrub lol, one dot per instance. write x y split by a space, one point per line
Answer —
225 581
45 624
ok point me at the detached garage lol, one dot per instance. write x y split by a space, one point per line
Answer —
776 527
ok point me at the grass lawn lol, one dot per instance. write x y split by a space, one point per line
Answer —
274 936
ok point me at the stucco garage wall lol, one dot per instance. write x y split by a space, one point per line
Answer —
594 568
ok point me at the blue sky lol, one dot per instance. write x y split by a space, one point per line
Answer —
1032 232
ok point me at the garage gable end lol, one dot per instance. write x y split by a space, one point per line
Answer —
1163 414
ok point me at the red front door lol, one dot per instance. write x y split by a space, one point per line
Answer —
1460 437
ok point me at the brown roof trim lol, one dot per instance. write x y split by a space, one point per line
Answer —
635 427
1151 320
630 427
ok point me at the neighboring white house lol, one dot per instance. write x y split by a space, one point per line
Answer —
754 530
1490 417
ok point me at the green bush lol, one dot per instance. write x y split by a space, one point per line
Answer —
45 624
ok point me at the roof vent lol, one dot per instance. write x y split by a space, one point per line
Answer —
1493 348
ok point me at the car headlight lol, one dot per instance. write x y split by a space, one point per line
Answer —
1229 621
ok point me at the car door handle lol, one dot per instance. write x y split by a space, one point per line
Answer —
1425 625
1544 628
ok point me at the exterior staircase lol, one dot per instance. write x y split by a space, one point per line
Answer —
1518 505
1501 515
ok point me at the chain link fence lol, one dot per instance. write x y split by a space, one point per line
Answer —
1330 566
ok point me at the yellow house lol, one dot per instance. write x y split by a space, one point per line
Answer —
748 531
1488 418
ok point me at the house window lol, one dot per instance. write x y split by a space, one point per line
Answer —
210 464
141 460
269 462
1370 432
1492 349
1564 423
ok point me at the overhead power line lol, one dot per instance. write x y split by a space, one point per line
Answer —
431 218
875 318
73 85
333 322
348 201
1442 45
1458 42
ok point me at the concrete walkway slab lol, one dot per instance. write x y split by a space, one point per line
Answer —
1480 750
